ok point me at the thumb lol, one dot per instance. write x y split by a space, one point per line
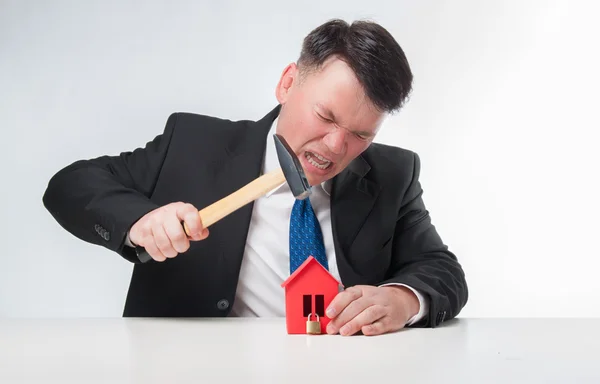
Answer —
200 236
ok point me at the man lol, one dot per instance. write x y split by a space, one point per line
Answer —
370 224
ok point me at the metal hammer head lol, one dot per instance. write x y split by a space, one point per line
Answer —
292 169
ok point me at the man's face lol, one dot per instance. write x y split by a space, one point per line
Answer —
326 118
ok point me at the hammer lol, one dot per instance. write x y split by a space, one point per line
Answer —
290 170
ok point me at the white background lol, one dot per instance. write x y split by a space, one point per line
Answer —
504 116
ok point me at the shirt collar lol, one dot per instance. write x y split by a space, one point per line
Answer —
271 163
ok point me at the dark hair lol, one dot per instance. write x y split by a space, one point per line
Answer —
371 52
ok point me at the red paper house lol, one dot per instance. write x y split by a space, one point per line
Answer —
308 291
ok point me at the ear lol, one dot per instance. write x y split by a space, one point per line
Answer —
286 81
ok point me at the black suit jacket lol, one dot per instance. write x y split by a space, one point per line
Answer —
381 228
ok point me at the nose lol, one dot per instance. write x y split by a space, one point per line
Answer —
335 141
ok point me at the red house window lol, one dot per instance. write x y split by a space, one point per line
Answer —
319 305
306 305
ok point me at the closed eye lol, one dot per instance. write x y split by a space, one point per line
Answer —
324 118
361 136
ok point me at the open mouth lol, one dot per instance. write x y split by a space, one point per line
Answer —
317 160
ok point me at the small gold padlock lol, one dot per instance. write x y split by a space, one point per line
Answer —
313 327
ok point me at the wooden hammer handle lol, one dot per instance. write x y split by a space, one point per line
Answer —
239 198
229 204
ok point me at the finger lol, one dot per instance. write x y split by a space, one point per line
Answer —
342 300
378 327
189 215
150 247
162 241
366 317
176 234
350 312
203 235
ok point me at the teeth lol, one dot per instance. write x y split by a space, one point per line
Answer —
320 157
309 157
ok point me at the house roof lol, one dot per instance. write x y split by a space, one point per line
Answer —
303 266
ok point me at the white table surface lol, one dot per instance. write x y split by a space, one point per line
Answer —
260 351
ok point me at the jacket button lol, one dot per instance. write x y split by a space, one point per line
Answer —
223 304
106 236
441 316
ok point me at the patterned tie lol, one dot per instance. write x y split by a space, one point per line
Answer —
306 238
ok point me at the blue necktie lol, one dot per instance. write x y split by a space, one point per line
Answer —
306 238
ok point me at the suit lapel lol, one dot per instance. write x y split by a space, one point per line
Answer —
242 164
243 158
352 199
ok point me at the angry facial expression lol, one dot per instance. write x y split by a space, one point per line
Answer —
325 117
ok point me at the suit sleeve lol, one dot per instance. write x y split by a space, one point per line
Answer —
98 200
422 261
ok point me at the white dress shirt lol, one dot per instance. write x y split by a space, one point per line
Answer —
266 264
